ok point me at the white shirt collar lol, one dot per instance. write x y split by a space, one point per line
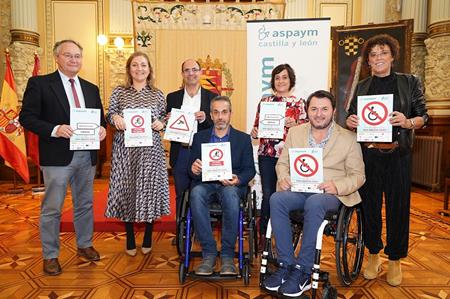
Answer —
65 78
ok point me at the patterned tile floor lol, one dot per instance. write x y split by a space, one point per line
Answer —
426 271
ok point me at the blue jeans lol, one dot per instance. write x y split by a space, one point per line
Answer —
229 198
269 186
315 206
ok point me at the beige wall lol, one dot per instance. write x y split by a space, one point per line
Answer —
83 20
229 47
78 21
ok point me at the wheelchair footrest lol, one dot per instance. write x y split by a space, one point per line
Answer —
215 276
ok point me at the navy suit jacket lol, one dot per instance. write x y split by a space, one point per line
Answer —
45 105
175 100
241 155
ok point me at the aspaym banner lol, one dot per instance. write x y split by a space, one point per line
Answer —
302 43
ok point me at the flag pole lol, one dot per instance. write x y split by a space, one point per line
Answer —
15 189
39 188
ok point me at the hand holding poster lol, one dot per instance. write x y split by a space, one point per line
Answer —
138 131
271 120
85 124
306 169
216 161
180 126
373 114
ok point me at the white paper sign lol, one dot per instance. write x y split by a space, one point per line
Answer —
138 124
180 126
85 124
271 120
306 168
373 114
216 161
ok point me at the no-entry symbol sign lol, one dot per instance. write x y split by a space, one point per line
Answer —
374 113
306 165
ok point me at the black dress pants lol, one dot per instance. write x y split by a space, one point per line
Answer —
388 173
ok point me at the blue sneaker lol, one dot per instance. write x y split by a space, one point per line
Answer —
297 283
276 279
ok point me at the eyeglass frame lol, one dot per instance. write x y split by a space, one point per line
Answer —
69 56
193 70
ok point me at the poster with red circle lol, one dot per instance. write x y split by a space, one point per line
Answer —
374 112
216 161
306 169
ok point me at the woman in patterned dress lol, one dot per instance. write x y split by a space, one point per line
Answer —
282 83
139 186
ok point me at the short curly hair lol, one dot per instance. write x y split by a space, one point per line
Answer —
381 40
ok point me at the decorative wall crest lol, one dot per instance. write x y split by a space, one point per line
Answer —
205 16
216 76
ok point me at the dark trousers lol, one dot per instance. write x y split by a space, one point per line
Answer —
181 177
388 173
269 185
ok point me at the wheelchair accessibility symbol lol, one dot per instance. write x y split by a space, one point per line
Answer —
374 113
306 165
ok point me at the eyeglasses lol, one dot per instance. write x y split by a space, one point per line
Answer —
381 54
71 56
193 70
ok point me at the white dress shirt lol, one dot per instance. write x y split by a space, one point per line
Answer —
68 89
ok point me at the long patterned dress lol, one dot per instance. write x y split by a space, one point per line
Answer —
139 184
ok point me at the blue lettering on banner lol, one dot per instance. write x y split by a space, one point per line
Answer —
287 38
295 33
266 72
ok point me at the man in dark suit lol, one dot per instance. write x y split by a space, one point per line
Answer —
194 98
46 111
228 192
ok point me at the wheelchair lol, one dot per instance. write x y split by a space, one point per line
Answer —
346 227
247 230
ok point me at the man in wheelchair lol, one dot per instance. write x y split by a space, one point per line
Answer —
228 192
343 171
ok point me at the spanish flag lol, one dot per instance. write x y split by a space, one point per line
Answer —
12 138
31 138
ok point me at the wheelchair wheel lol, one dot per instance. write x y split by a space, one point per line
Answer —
349 244
329 292
251 226
181 227
246 273
182 272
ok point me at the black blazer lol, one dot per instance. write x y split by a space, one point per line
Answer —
412 103
175 100
45 105
241 155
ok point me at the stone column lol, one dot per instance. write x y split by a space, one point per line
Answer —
417 10
437 78
437 74
371 12
296 9
24 41
393 10
120 25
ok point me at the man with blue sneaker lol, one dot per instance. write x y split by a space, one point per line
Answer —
343 171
